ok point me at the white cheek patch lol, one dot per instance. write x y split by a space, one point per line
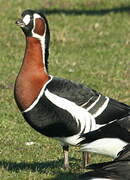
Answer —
26 19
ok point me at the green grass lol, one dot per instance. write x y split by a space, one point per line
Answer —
90 43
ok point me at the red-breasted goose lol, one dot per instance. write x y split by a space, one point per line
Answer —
56 107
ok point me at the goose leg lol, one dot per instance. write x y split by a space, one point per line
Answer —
66 156
86 158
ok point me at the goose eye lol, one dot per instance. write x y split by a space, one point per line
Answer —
26 19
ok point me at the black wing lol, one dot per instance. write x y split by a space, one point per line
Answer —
117 129
85 97
75 92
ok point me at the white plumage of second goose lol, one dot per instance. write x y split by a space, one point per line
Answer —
119 169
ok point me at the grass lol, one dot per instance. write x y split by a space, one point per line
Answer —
90 43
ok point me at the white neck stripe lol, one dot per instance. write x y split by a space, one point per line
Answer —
41 39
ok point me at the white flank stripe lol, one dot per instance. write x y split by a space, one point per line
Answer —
39 96
93 104
79 113
86 102
102 108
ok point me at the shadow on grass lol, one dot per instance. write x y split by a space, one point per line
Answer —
34 166
66 176
40 167
87 12
54 167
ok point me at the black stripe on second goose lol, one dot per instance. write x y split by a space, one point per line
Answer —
119 169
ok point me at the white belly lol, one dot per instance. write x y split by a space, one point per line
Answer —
72 140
